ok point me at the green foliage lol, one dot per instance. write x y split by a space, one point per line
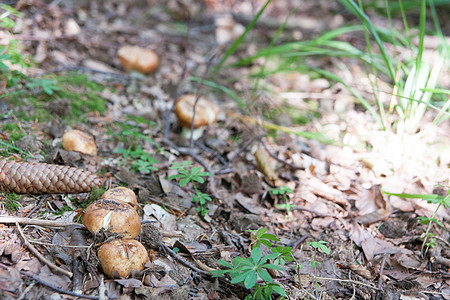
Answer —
12 202
429 240
318 245
48 86
283 190
141 160
62 210
11 149
95 194
284 255
189 174
261 237
247 270
414 81
11 52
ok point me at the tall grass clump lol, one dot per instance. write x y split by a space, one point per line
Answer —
390 55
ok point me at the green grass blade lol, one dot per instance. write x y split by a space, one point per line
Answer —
239 40
224 89
368 24
363 101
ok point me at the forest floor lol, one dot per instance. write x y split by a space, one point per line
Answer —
315 138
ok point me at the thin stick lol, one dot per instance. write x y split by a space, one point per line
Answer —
349 281
40 256
57 289
292 166
182 261
37 222
54 245
380 278
36 207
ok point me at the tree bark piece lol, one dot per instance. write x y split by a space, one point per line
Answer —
40 178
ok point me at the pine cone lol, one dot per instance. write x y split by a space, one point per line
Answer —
40 178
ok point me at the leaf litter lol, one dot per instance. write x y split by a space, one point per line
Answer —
374 238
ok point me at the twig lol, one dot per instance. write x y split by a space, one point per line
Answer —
219 157
292 166
349 281
246 145
37 222
380 278
25 292
313 212
36 207
57 289
299 241
54 245
183 261
40 256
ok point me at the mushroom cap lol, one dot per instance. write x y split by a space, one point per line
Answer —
122 256
112 216
76 140
206 111
121 194
138 59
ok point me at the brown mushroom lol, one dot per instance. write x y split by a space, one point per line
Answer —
113 217
76 140
206 113
119 257
135 58
121 194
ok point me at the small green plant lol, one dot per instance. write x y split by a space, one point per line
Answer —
186 174
247 270
261 237
317 245
48 86
141 161
429 240
283 190
62 210
12 202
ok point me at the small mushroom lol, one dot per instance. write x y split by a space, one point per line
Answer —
76 140
135 58
206 113
120 257
112 216
121 194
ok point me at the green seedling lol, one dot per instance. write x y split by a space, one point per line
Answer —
141 160
320 245
429 240
261 237
186 174
246 271
283 190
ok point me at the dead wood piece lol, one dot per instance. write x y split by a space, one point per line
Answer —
41 178
38 222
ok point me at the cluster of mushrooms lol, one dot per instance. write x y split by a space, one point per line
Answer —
115 213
